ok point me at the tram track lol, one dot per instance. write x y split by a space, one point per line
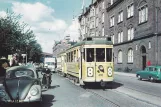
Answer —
111 103
112 94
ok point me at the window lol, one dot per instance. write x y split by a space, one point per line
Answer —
96 33
108 54
111 2
103 5
120 17
97 9
90 54
86 30
130 33
130 10
112 21
143 14
136 47
103 34
120 37
71 56
149 44
100 54
113 38
151 69
75 56
120 56
97 22
130 56
103 17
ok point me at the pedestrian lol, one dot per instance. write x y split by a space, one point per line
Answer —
3 66
148 63
14 61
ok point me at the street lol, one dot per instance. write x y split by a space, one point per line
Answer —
126 92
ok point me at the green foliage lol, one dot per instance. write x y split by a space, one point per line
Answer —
16 38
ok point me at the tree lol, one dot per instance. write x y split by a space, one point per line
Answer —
15 39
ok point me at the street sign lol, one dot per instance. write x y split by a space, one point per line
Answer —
23 55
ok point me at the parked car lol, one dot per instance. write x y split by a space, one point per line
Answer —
21 85
151 73
37 66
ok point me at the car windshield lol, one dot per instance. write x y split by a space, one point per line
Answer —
50 63
20 73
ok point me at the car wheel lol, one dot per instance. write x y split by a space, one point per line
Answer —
152 79
139 77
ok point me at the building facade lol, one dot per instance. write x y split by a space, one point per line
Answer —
62 45
134 26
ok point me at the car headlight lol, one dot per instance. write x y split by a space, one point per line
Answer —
2 93
100 67
109 71
34 91
89 72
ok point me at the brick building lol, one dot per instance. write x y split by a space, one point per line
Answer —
134 26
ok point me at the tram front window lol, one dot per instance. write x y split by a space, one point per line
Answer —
109 54
100 54
90 54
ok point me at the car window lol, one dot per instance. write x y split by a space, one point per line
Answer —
147 69
151 69
20 73
159 69
155 69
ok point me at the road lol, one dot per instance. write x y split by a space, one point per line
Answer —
124 92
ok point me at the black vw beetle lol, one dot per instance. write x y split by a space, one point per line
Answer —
21 85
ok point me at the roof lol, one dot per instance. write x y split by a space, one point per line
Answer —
92 42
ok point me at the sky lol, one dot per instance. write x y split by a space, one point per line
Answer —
50 20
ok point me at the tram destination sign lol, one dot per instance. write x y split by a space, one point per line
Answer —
101 38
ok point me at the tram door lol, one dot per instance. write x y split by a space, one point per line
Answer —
90 64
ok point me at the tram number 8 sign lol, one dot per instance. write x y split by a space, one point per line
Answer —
90 72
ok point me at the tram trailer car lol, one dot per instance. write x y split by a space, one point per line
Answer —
58 69
90 61
62 65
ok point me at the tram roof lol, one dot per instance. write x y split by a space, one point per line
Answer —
93 42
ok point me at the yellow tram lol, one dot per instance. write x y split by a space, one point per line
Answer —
89 61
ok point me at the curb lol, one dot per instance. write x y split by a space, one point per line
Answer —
125 74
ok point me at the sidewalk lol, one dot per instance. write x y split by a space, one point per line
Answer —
125 74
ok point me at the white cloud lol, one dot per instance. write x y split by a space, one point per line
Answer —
41 20
3 14
72 30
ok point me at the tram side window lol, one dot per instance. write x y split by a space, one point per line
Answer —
90 54
100 54
75 56
69 56
72 56
109 54
84 55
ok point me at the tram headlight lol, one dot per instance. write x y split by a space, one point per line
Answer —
90 72
109 71
100 67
